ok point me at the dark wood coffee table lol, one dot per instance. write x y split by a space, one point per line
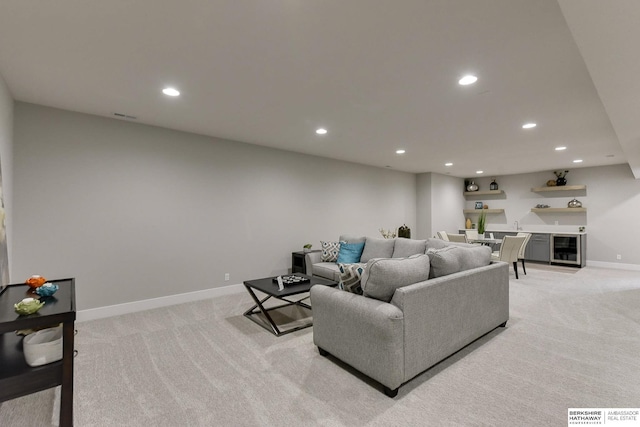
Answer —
260 314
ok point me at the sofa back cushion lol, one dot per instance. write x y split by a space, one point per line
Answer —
383 276
439 244
377 248
453 258
350 277
352 239
404 248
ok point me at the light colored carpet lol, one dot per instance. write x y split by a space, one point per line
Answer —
573 340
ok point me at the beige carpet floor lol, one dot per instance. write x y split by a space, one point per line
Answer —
573 340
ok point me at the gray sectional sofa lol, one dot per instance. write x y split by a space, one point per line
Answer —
417 309
373 248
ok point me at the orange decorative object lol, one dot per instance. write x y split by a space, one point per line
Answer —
36 281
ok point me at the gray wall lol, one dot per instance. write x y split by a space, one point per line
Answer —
136 212
6 160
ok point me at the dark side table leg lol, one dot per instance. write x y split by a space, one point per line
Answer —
66 392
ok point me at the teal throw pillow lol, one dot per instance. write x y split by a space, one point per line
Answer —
350 253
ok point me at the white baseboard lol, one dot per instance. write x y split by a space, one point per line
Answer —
135 306
613 265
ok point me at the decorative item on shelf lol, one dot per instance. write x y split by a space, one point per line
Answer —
307 247
561 177
28 306
472 187
479 205
467 224
575 203
404 231
388 234
43 346
482 222
551 183
46 290
581 229
541 206
35 281
493 185
485 206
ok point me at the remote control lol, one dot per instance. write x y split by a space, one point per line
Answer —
280 284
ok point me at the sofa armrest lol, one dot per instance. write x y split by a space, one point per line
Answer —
363 332
311 258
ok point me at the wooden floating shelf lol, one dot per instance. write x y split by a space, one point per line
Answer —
559 188
489 211
558 210
483 193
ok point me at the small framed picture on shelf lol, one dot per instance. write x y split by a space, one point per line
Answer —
479 205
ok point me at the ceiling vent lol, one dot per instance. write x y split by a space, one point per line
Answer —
125 116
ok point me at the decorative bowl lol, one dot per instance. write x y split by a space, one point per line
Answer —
28 306
35 281
46 290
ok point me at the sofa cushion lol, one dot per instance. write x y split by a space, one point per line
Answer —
350 253
406 247
453 259
377 248
439 244
330 251
383 276
352 239
328 270
350 276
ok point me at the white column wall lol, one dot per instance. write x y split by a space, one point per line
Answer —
6 163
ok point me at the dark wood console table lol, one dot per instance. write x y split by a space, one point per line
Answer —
16 377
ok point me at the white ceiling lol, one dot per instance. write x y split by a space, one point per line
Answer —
379 75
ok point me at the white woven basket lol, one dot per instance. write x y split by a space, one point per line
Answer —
43 347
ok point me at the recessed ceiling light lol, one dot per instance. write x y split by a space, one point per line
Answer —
577 161
400 151
468 80
448 164
529 125
560 148
170 91
321 131
479 172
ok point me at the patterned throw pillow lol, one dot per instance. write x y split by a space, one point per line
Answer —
330 251
350 275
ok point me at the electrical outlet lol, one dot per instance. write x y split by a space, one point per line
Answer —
226 276
618 256
556 222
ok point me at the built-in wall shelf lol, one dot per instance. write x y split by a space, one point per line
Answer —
489 211
559 188
558 210
484 193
